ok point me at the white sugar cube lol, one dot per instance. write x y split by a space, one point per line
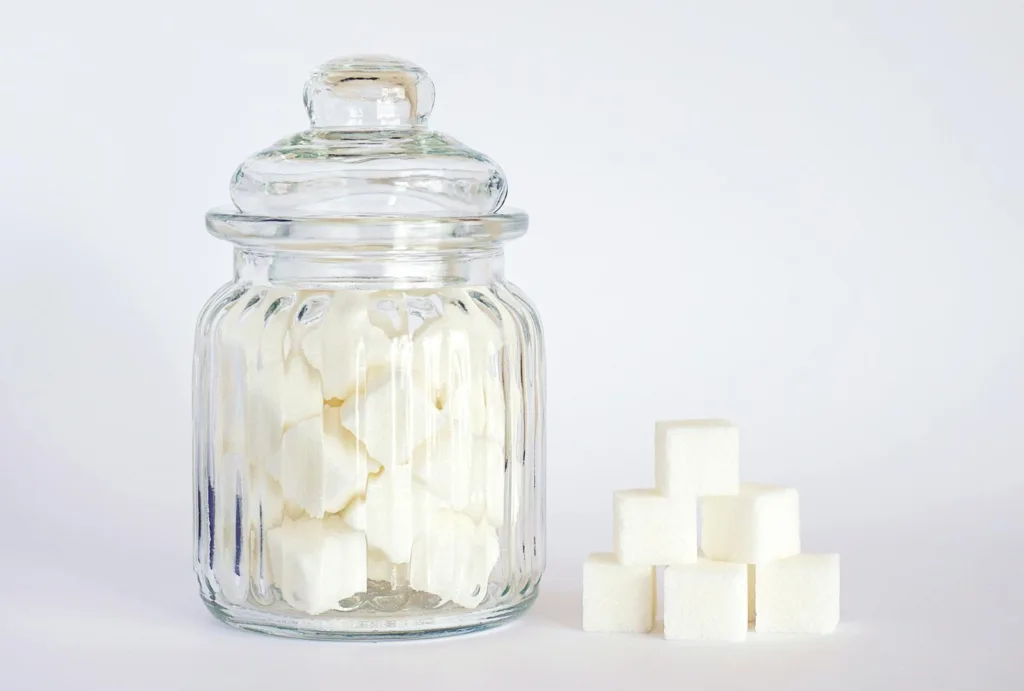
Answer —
457 358
229 381
457 344
799 594
236 354
269 509
321 467
397 509
316 563
695 458
347 345
464 403
280 395
617 598
654 530
392 417
751 580
466 472
334 428
758 525
388 513
302 395
706 601
453 558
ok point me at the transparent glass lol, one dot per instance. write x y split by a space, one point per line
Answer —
369 442
369 390
368 151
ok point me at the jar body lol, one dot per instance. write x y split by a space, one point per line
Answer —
369 446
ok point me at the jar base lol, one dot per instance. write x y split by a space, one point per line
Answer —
365 628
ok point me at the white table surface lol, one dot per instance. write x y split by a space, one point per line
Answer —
922 609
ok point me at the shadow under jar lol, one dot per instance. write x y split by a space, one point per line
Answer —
368 388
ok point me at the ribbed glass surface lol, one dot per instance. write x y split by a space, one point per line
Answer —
368 462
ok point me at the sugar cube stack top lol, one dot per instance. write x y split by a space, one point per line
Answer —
746 568
696 458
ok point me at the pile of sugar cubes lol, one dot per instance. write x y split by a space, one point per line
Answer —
364 434
747 568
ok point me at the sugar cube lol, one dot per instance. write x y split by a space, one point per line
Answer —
247 330
453 558
321 468
316 563
654 530
457 359
280 396
397 509
465 471
617 598
799 594
696 457
347 345
392 416
758 525
706 601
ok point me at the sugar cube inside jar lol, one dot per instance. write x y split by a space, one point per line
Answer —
369 389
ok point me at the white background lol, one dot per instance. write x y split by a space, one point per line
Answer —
804 216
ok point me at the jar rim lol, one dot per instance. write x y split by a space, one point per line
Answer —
370 231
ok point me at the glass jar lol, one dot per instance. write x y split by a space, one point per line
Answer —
369 389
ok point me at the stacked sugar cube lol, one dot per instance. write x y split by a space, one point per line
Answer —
747 568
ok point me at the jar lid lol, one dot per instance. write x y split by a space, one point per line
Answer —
367 171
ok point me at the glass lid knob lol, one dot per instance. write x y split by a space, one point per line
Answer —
369 92
368 152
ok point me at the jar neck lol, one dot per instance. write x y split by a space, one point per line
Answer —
378 269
